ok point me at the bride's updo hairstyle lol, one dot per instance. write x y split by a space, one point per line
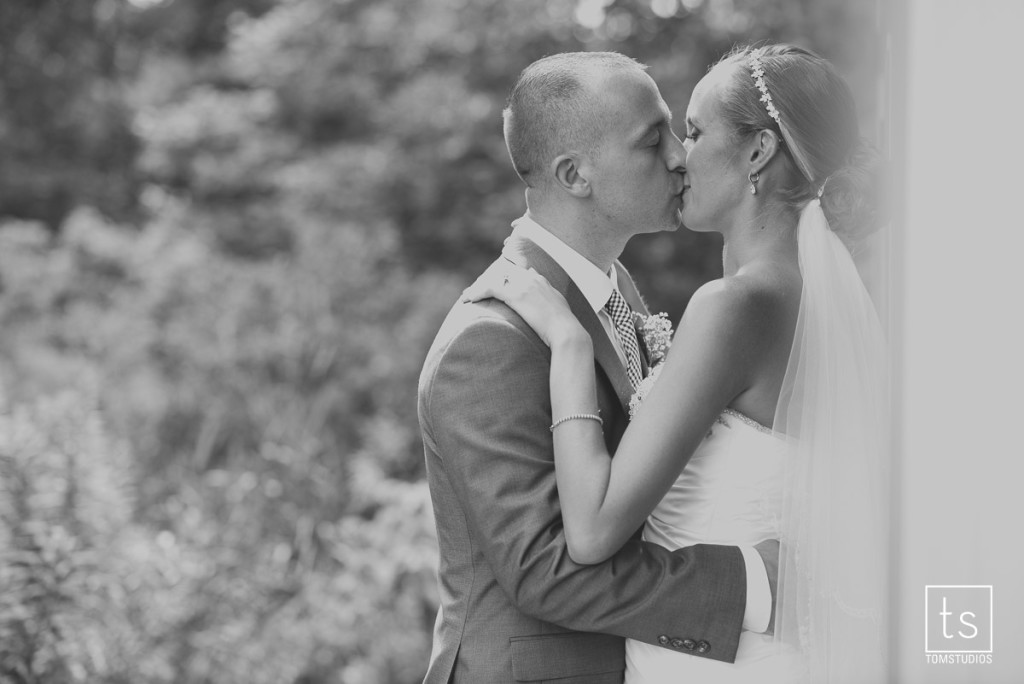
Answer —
818 128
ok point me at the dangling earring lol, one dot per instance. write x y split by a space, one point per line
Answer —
753 177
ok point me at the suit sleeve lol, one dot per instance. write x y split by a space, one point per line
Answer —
488 409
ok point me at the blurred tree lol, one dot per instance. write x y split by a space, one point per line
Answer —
64 126
193 28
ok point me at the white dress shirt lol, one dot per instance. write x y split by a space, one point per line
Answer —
597 287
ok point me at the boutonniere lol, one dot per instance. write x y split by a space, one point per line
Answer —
656 334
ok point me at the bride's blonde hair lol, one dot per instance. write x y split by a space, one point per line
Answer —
822 148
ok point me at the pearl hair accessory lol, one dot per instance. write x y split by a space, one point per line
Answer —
757 71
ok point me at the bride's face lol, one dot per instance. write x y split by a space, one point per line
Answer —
715 176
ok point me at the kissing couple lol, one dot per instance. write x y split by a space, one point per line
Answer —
609 509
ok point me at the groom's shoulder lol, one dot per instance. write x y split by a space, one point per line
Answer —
486 333
488 317
477 342
482 324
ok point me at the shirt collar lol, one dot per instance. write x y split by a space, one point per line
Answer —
595 285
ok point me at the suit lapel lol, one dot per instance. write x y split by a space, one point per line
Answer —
527 254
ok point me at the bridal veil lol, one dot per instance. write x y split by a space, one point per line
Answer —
833 413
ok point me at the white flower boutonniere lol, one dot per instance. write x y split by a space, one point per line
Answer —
656 334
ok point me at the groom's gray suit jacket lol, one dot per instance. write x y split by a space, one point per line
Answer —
514 607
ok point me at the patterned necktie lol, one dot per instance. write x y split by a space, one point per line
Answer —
622 316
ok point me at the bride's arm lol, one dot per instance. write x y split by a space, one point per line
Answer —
605 500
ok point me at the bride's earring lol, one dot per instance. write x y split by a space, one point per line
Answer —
753 177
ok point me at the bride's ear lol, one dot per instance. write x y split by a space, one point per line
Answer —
569 175
763 149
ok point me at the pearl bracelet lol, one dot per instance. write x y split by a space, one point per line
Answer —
577 416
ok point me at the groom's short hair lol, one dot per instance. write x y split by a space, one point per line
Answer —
554 108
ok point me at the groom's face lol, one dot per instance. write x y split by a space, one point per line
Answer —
636 172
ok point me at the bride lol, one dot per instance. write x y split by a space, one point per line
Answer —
766 420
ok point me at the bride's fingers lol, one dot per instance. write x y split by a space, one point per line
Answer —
476 292
503 284
487 286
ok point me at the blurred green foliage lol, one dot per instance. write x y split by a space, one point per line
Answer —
228 232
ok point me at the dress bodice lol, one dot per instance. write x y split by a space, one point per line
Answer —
730 491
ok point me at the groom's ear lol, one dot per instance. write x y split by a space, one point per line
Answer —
763 147
569 176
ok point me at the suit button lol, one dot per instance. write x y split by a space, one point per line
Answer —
677 643
663 640
688 644
703 647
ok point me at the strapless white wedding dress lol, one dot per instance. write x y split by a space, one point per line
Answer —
729 493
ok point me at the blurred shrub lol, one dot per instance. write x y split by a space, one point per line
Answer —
65 503
91 596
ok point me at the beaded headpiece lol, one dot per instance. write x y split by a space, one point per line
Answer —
757 71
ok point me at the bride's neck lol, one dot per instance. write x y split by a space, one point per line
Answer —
758 238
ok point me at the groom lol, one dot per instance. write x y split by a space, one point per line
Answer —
589 134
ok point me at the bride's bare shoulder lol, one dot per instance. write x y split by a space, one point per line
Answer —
750 291
753 304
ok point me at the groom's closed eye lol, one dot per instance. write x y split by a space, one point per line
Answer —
652 134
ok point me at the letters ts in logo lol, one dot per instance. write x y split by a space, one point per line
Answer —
958 619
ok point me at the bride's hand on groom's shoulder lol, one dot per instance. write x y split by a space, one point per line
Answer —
531 296
769 551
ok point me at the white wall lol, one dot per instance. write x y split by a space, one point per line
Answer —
959 279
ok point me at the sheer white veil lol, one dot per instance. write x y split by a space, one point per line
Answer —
833 414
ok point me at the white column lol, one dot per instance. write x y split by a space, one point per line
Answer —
960 329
